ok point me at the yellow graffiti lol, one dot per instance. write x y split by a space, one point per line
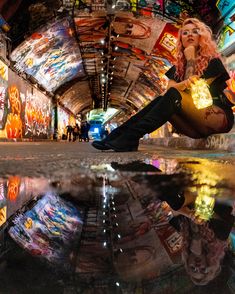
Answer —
229 30
133 5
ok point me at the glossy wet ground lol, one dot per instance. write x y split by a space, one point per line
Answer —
75 220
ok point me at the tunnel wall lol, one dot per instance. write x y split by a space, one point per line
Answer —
64 119
25 112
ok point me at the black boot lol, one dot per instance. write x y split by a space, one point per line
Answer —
101 145
168 105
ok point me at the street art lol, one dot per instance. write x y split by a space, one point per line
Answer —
25 112
227 35
13 188
50 55
217 142
3 107
165 46
91 29
37 115
3 71
64 119
14 124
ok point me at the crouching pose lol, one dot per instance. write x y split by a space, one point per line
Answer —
197 57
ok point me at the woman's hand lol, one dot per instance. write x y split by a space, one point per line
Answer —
190 53
184 85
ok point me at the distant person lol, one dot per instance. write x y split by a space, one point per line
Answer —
69 132
84 131
76 131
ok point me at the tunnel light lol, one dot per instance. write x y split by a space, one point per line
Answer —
119 236
117 284
116 48
102 42
113 6
105 244
103 80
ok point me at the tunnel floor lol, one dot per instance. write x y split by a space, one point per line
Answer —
77 220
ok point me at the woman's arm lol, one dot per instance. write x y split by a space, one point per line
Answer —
184 85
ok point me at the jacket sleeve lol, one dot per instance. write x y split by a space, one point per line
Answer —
215 68
171 73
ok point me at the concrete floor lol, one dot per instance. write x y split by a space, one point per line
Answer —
55 159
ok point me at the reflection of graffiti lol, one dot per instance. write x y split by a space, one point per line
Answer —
2 194
3 215
13 188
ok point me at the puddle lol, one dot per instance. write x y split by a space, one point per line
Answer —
139 227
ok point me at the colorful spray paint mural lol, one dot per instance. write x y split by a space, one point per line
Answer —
64 119
51 55
38 111
25 112
227 36
3 94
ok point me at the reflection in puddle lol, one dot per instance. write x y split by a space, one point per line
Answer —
122 228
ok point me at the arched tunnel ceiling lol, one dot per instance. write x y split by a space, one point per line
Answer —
68 47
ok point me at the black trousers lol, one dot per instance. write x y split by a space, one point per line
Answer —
151 117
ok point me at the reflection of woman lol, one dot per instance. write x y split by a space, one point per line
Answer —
196 57
204 243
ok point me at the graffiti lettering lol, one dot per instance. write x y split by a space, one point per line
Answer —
229 30
223 4
217 142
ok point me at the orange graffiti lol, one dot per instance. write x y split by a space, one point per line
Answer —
13 188
14 97
13 126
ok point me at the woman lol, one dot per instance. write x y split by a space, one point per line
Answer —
196 57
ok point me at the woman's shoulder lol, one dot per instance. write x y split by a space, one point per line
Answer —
215 67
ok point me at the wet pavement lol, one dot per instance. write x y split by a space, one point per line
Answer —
77 220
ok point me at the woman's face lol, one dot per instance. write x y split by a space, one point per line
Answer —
190 35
